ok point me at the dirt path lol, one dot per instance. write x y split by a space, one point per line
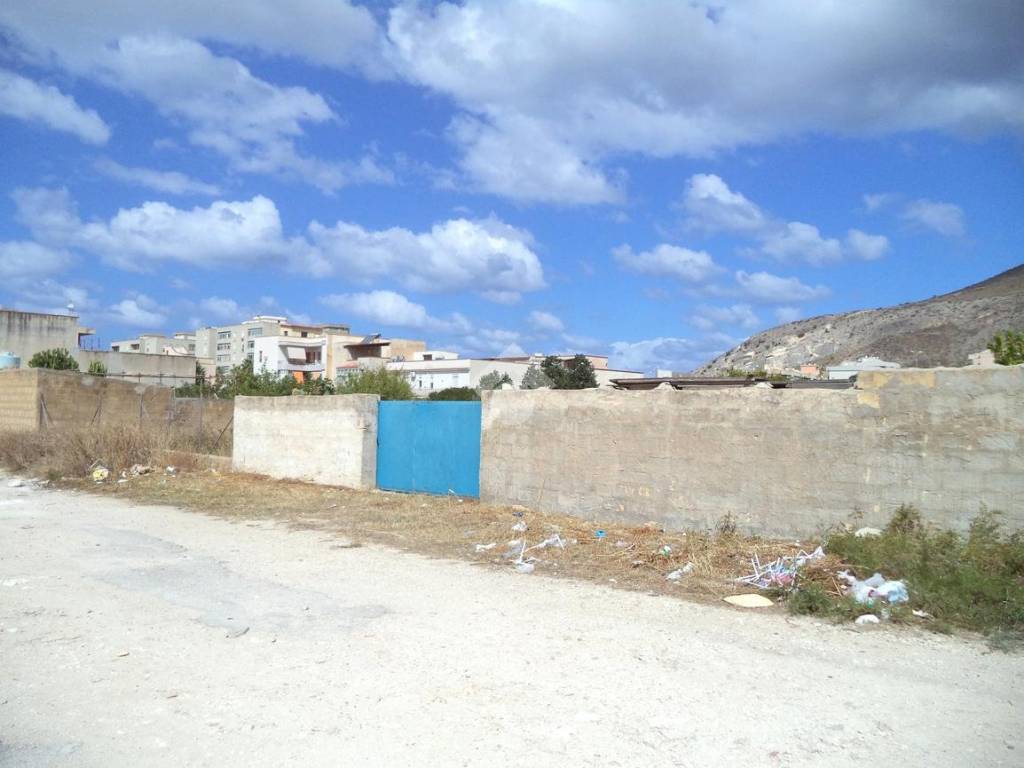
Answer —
134 635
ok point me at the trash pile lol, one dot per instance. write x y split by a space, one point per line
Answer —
781 572
517 550
877 588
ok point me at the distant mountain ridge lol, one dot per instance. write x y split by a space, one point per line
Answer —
940 331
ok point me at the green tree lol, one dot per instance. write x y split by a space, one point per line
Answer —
390 385
319 386
455 393
495 380
242 380
534 378
54 359
1007 347
577 373
96 368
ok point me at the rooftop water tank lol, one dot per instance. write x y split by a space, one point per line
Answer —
9 360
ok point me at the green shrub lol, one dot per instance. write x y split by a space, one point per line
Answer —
54 359
1008 347
495 380
390 385
96 368
534 378
455 393
577 373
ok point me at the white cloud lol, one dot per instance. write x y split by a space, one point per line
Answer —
708 318
170 182
227 310
391 308
878 200
867 247
788 314
545 322
22 259
766 288
485 255
711 206
27 100
512 350
138 312
223 233
672 353
945 218
671 260
600 78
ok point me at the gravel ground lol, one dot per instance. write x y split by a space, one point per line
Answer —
134 635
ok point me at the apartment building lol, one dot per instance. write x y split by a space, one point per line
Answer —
221 348
157 344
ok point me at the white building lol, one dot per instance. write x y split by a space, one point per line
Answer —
223 347
430 371
302 358
850 368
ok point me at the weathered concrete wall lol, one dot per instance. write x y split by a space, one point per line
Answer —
19 400
330 440
142 368
25 333
786 462
71 399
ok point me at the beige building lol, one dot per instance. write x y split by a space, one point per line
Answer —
181 344
221 348
347 353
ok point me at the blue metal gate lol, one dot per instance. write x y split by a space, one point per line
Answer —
429 447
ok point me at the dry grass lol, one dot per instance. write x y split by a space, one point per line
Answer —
631 557
70 453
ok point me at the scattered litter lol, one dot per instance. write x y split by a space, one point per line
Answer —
16 483
514 543
522 563
138 470
867 618
519 527
123 480
780 572
519 509
100 473
922 614
749 601
486 547
665 550
171 470
875 588
867 533
238 632
621 544
678 573
123 654
599 534
524 567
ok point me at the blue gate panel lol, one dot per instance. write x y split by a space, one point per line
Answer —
429 447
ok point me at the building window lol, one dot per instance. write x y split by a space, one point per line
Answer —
224 345
255 332
223 358
304 334
223 334
252 344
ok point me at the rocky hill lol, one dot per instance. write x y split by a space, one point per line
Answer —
942 330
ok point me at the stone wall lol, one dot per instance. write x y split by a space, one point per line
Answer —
141 368
782 462
329 440
19 400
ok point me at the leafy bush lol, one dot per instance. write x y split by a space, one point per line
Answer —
390 385
54 359
455 393
242 380
534 378
577 373
495 380
1008 347
96 368
974 581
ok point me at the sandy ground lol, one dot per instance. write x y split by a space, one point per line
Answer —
134 635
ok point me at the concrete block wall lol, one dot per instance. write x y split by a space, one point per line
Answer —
70 399
19 407
330 440
782 462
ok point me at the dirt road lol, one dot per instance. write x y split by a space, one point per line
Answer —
150 636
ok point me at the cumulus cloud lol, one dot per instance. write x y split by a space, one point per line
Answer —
708 318
672 353
487 255
391 308
545 322
600 78
945 218
23 259
766 288
668 260
139 311
711 206
28 100
220 308
169 182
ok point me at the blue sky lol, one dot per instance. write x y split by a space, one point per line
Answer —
651 181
